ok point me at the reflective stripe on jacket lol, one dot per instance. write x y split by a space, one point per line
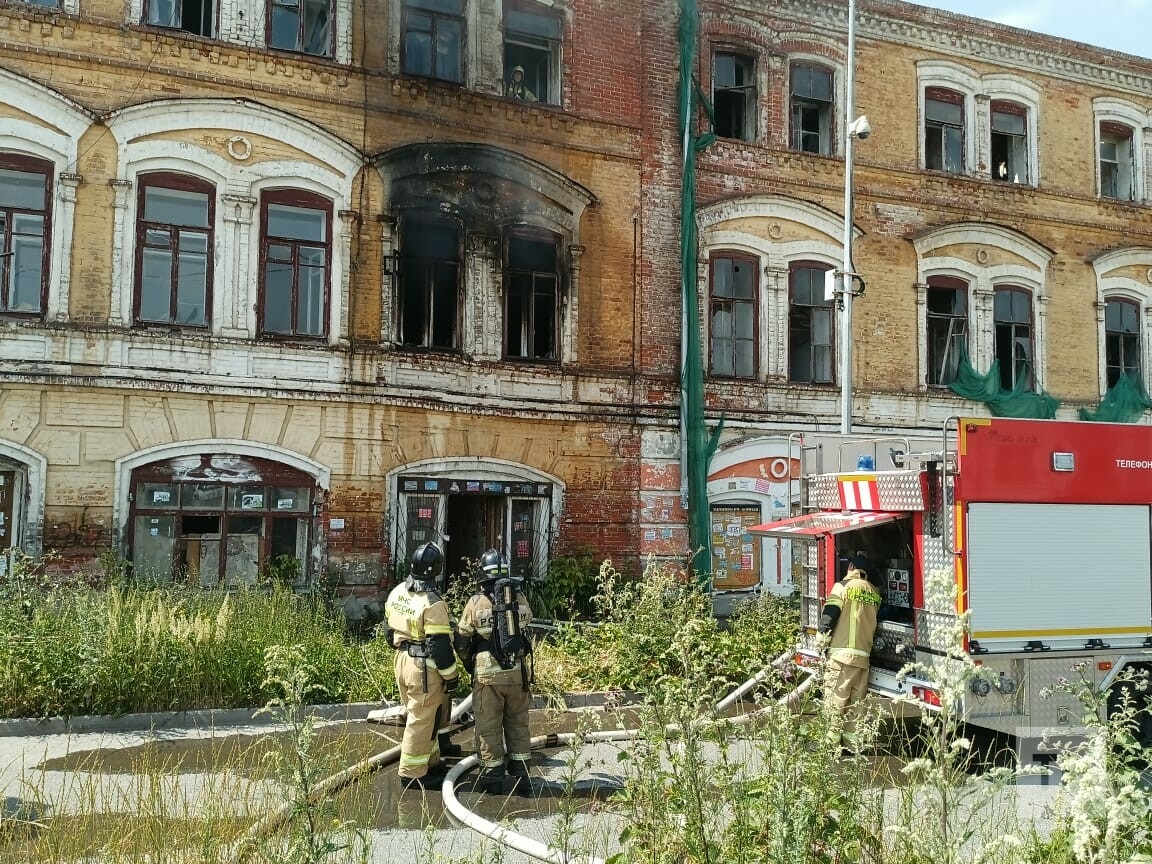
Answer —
422 616
859 602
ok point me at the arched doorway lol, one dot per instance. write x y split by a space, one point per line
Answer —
221 518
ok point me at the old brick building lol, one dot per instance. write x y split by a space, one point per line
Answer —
312 282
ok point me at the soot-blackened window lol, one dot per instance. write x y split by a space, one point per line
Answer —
429 296
532 307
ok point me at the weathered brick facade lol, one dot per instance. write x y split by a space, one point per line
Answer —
577 447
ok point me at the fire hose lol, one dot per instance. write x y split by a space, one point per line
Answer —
506 837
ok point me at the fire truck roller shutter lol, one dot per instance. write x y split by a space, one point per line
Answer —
1059 574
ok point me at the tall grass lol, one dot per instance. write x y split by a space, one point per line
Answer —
126 648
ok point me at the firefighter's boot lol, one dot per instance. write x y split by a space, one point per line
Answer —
447 748
491 781
521 780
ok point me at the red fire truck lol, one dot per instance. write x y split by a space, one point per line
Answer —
1045 528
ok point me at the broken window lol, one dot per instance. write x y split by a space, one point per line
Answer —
810 326
811 108
947 301
25 193
191 16
296 252
1117 168
944 130
532 297
429 295
734 95
1009 142
229 533
433 39
732 316
531 55
301 25
1121 339
1012 311
174 250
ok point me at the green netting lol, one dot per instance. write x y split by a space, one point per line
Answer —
1002 403
699 446
1125 402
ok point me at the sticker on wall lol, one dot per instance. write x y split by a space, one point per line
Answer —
252 501
649 534
410 486
472 486
154 531
424 513
455 487
431 485
285 503
161 496
336 524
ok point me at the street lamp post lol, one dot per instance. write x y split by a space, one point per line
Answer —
853 127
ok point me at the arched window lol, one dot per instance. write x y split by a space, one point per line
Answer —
811 331
947 321
25 212
812 95
1012 312
732 315
944 130
296 255
1009 142
175 215
1121 339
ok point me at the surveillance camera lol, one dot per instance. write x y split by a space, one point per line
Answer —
860 128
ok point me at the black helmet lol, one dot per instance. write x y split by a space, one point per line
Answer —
427 562
493 565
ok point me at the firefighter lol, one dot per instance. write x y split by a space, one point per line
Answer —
419 628
500 694
515 87
848 620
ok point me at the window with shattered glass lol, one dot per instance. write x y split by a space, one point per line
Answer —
301 25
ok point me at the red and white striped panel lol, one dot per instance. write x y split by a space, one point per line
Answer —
859 492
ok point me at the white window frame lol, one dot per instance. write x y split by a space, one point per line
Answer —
983 279
979 92
775 257
54 137
1115 280
140 131
959 79
835 121
1109 110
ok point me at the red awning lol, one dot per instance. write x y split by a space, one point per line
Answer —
825 522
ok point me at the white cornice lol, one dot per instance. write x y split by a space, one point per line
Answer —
955 42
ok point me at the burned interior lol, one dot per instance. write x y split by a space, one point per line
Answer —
476 229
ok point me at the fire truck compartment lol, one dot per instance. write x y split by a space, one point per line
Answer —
1057 576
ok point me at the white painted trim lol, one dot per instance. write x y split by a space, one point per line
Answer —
55 140
125 465
982 282
1108 110
960 79
773 300
1109 287
234 301
1009 87
28 502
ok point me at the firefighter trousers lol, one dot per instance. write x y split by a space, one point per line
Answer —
501 710
844 686
419 750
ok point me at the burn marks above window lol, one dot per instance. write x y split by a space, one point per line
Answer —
429 291
480 232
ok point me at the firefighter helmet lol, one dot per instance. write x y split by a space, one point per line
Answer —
493 565
427 563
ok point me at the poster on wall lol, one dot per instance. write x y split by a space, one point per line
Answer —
735 552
